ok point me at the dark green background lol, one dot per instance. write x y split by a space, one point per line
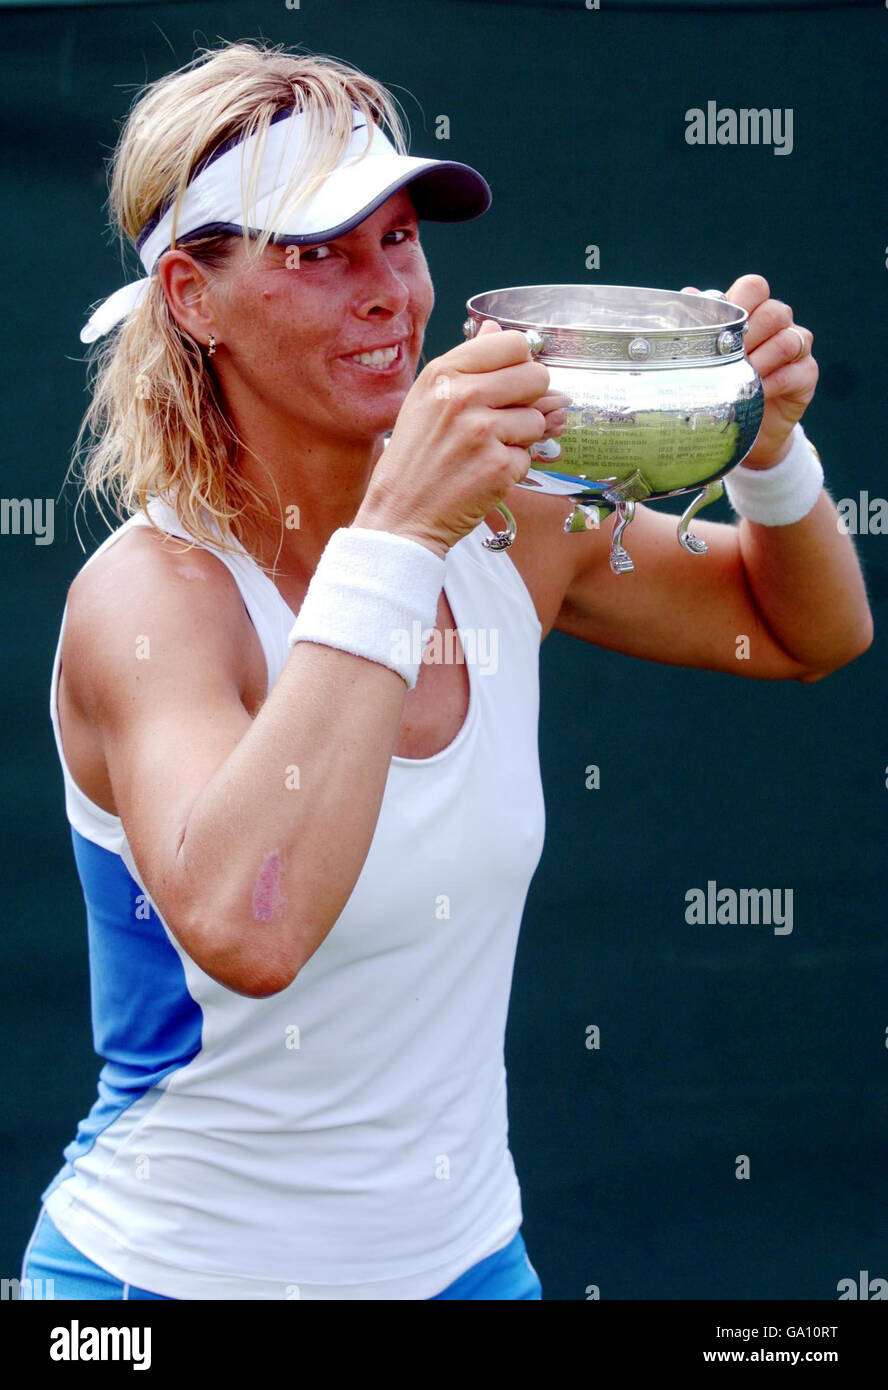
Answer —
716 1041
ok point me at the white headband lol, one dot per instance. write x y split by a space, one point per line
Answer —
362 180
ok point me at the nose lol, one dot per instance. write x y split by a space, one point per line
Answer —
383 293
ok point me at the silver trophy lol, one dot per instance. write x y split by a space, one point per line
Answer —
663 399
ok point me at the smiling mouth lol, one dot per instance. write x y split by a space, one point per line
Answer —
380 359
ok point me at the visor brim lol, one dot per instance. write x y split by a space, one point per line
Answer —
441 191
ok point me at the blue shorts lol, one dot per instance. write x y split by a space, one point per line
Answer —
506 1274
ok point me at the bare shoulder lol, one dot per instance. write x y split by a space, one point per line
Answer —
153 596
544 555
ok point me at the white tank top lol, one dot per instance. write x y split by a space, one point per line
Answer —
347 1137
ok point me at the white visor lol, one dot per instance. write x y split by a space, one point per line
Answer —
214 201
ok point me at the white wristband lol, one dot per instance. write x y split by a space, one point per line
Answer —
780 495
367 592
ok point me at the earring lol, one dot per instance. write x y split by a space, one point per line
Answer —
212 348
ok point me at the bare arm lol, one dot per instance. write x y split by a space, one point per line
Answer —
248 833
795 593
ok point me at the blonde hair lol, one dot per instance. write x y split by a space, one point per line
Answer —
156 424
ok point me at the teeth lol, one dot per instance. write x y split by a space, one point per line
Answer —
382 357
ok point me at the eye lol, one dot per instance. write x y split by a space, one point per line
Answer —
314 253
402 234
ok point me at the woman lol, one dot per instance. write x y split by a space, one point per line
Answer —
303 880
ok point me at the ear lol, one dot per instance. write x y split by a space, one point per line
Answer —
188 292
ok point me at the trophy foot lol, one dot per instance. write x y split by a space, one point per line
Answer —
693 544
503 539
620 560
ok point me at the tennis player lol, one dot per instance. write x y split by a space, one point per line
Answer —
305 850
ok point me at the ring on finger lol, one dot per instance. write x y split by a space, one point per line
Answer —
803 346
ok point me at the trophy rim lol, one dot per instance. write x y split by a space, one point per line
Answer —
734 320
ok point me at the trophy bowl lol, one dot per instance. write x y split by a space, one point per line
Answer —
663 399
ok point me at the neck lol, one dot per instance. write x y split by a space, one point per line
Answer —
315 484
